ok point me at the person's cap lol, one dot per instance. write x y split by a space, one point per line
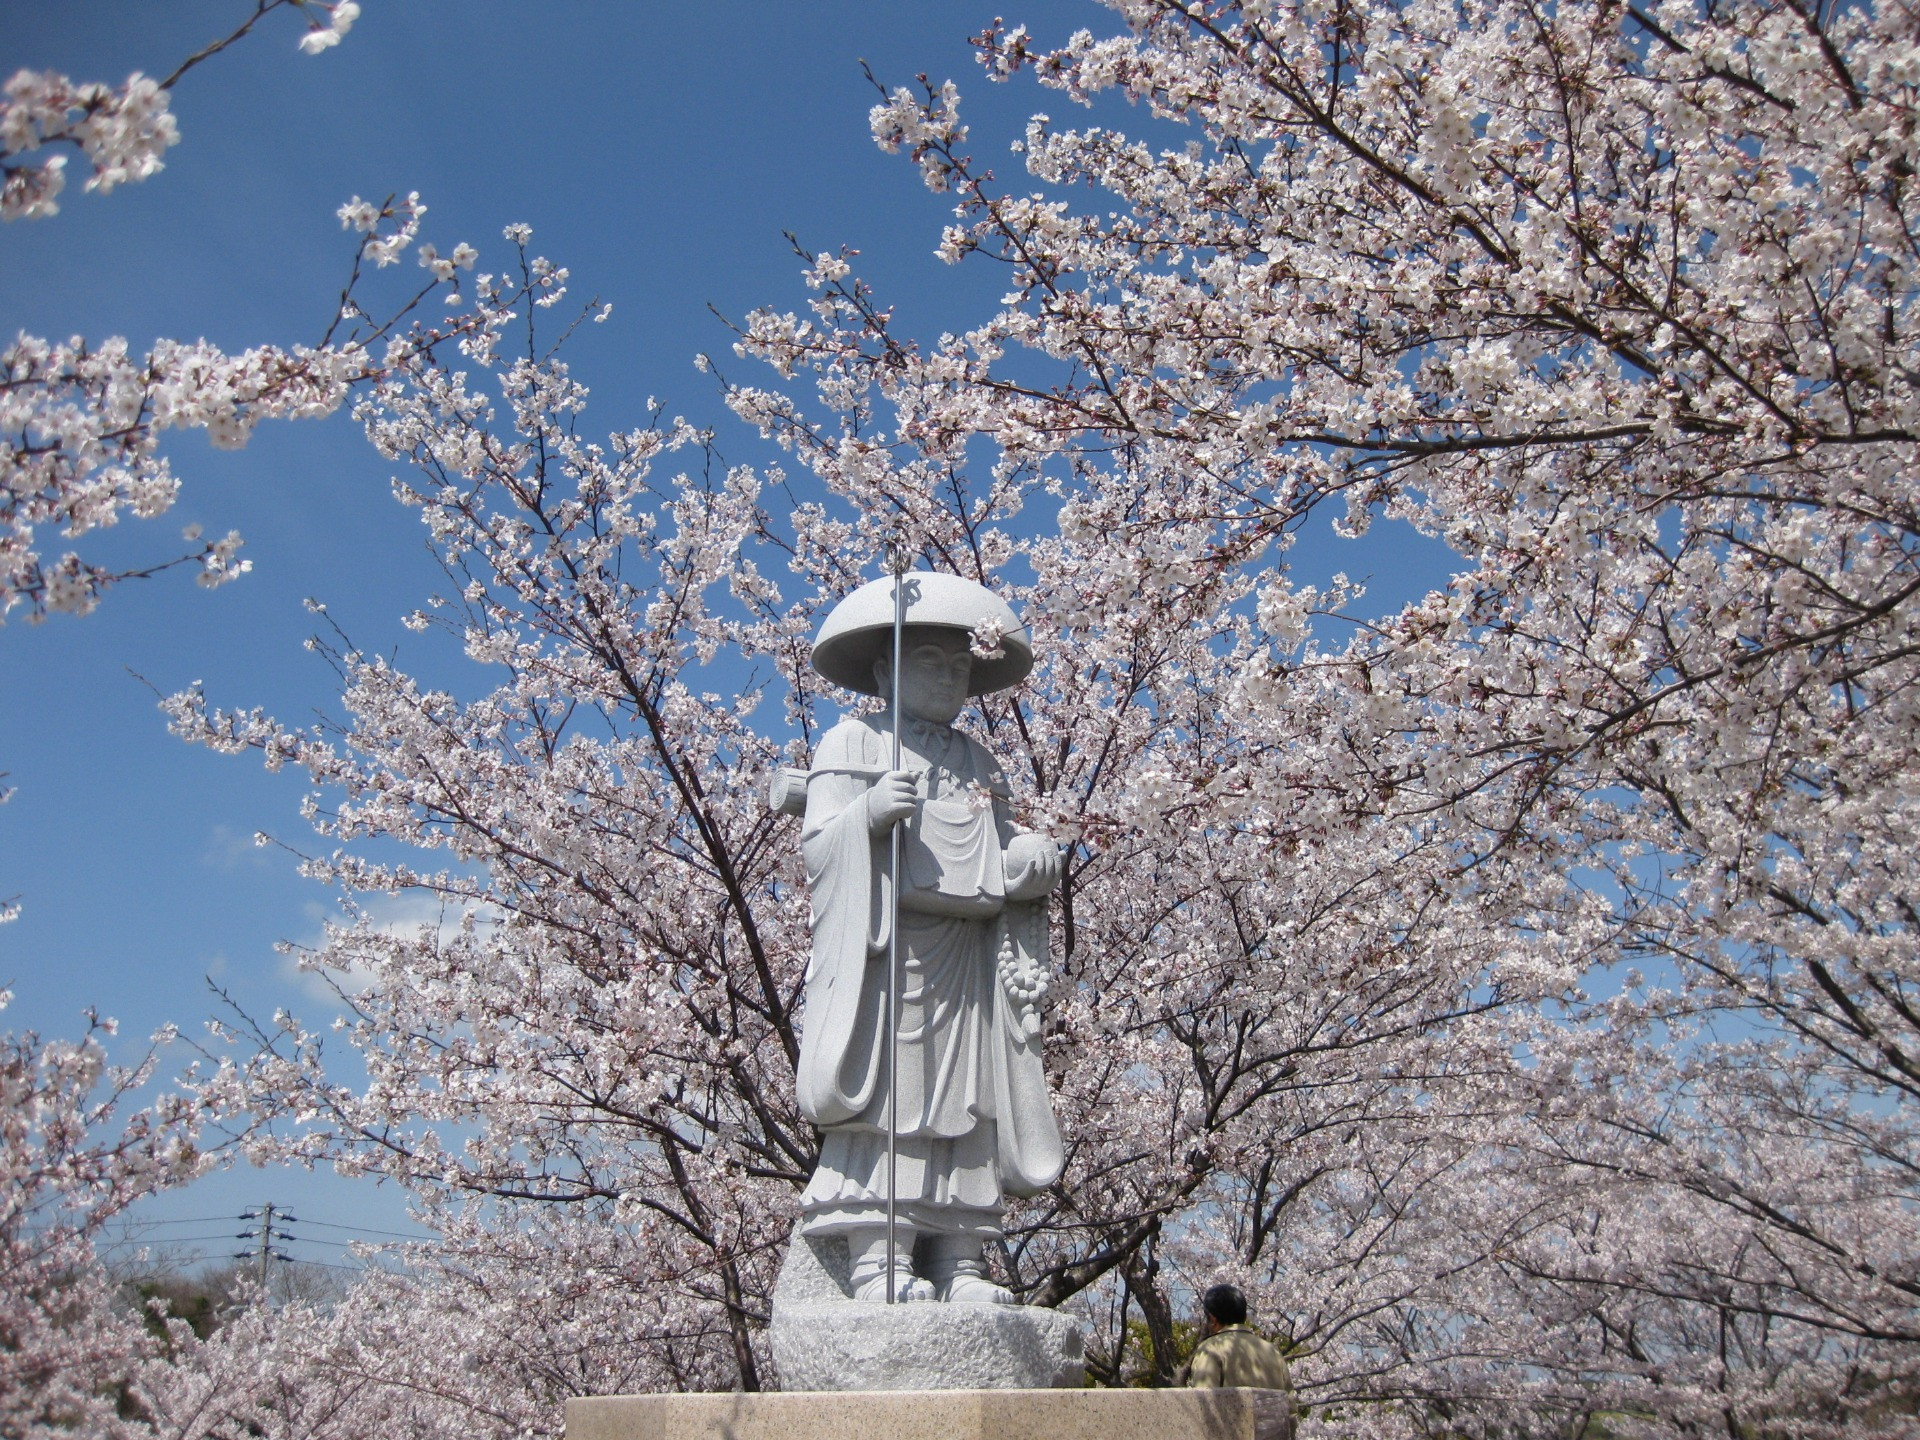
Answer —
860 630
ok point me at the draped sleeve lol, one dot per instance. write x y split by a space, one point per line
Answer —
841 1040
1030 1154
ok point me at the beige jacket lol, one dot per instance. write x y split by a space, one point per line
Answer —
1236 1356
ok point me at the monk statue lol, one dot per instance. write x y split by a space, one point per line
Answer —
971 1114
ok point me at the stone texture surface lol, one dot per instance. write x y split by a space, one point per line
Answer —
824 1340
815 1272
939 1415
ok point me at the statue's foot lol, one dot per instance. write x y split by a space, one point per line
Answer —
967 1289
907 1288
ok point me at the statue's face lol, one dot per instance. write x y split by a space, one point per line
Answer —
935 666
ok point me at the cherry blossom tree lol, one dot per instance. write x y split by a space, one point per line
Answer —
83 423
1617 303
83 420
73 1158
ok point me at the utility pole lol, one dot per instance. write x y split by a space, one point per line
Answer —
266 1234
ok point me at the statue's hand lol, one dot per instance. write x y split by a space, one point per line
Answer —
1032 867
891 800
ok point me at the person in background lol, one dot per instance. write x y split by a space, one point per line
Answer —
1231 1354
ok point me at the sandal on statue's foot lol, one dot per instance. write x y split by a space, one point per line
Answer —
907 1289
966 1289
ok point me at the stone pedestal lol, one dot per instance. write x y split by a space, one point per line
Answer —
823 1340
939 1415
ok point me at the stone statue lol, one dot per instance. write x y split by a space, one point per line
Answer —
972 1116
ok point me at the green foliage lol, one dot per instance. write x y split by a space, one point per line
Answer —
1144 1374
196 1299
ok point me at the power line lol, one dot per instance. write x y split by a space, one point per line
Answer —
144 1225
211 1239
133 1235
350 1269
363 1230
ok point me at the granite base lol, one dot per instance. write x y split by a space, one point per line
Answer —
938 1415
823 1340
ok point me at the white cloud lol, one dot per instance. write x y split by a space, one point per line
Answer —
402 917
228 849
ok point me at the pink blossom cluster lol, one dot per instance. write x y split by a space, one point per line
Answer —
85 422
123 133
340 16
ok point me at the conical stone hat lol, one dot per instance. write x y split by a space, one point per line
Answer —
860 630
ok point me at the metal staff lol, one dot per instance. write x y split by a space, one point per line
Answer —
893 941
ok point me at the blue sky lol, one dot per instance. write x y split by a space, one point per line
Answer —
659 150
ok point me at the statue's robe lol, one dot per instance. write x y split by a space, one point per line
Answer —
974 1121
